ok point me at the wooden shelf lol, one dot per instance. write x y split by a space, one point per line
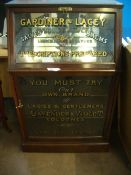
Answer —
3 53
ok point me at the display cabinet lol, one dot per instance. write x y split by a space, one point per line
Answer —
64 60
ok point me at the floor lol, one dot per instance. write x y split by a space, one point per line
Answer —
15 162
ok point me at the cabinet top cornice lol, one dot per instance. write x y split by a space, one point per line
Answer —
65 2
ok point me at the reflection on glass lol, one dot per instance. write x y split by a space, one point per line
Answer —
64 37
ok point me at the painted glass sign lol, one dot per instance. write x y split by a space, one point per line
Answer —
64 106
64 37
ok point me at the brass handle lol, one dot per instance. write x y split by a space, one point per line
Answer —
20 105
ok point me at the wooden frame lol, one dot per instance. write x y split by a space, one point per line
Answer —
68 143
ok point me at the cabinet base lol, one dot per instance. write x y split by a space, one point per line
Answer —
66 148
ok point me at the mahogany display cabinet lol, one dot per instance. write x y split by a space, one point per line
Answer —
64 61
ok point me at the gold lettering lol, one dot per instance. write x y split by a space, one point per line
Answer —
66 82
96 22
63 53
103 21
28 22
38 82
66 116
49 21
62 21
82 106
91 114
34 21
23 22
55 22
51 112
68 21
89 22
93 82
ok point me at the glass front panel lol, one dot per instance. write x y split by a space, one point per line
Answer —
64 37
64 106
